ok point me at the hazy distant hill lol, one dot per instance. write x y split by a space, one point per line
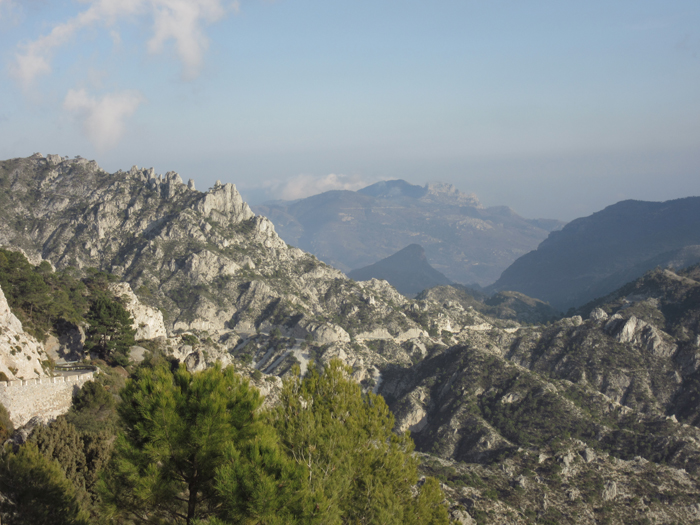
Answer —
407 270
462 239
592 256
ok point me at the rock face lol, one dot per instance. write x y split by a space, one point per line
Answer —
21 355
502 305
463 240
592 256
147 321
205 261
407 270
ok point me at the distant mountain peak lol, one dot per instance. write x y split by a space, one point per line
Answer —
394 188
408 270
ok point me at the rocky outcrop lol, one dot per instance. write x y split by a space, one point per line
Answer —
21 355
148 321
636 331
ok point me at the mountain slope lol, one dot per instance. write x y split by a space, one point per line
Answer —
592 256
577 422
407 270
462 239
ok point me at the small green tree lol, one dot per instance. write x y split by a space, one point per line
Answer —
111 332
180 428
6 426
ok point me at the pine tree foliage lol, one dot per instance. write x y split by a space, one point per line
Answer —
111 331
35 490
179 429
260 484
39 297
81 456
357 470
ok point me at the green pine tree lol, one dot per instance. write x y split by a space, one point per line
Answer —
180 428
111 332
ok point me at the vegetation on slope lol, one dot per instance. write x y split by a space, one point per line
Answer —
198 448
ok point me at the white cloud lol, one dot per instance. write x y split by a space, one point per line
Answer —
178 20
103 119
306 185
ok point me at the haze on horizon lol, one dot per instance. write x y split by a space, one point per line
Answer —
554 109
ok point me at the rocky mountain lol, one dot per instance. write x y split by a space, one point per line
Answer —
407 270
462 239
581 421
525 419
592 256
210 265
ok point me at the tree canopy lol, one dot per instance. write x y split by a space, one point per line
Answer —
201 447
111 331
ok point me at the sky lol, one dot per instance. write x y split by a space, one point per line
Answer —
554 108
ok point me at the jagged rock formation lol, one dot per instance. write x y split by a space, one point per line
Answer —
21 355
462 239
592 256
204 259
408 271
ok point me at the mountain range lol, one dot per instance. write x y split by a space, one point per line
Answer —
524 416
462 239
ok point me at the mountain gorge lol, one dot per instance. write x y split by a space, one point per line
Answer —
524 416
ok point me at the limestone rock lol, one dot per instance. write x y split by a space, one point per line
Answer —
147 321
330 333
636 331
195 362
598 314
224 203
609 491
20 353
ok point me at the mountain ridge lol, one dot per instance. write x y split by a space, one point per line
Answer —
524 418
579 262
462 239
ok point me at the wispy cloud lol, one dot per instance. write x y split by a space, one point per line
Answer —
306 185
180 21
102 119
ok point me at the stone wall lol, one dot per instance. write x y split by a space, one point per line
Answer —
46 397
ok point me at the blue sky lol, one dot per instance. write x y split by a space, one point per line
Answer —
554 108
